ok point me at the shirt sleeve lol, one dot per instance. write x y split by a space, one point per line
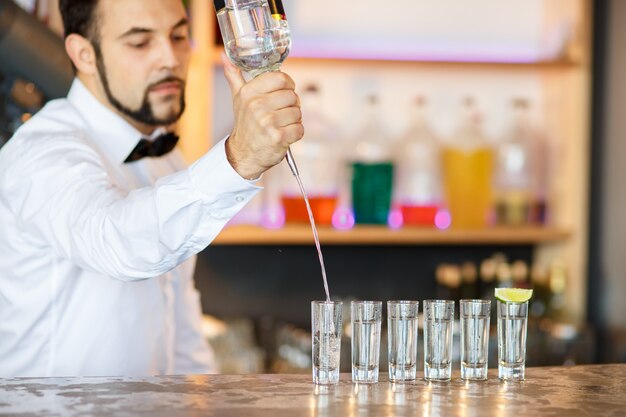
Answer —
192 353
63 195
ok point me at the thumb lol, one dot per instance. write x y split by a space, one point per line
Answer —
233 75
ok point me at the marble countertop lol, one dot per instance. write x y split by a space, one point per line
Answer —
595 390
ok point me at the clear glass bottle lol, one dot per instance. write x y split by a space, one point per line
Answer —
255 33
468 170
417 191
318 164
272 213
514 167
372 169
542 154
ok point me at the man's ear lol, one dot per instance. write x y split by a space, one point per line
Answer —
82 53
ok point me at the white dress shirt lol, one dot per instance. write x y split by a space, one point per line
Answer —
97 256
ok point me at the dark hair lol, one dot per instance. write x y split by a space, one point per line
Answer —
80 17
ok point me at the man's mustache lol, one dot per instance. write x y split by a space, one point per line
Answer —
170 79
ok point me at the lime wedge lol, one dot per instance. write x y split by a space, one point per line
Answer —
513 295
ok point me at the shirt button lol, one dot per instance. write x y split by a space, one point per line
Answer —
239 199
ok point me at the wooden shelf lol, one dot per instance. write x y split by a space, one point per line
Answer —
560 63
382 235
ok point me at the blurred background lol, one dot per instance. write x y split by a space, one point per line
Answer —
451 148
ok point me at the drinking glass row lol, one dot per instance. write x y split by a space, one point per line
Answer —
402 326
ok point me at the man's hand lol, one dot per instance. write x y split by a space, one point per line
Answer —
267 120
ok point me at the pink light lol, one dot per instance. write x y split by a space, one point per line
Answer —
426 52
424 57
273 218
443 220
343 219
395 220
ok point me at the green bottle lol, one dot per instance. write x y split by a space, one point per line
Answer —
372 170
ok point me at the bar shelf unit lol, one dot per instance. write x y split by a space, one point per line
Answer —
565 80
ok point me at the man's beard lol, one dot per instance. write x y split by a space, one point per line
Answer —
144 114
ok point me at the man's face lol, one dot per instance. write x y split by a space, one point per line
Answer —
142 56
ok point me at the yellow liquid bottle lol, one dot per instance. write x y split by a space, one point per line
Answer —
468 173
468 186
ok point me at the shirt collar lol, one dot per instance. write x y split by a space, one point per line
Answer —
114 135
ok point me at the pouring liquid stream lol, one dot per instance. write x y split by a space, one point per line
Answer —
256 54
295 173
332 341
294 170
258 67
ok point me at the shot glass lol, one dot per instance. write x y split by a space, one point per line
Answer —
402 339
326 341
366 318
438 322
474 315
512 326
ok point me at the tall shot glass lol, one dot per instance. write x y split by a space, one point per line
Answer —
326 341
474 315
366 319
512 327
438 323
402 339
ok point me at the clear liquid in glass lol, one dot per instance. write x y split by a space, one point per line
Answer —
253 40
438 349
326 351
474 346
512 347
402 348
365 350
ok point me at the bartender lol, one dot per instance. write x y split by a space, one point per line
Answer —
99 217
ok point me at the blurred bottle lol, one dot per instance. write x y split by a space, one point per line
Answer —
541 290
468 169
513 175
453 281
542 154
504 276
488 269
318 164
372 169
487 278
448 277
499 257
558 283
272 211
417 190
469 281
519 273
19 100
442 290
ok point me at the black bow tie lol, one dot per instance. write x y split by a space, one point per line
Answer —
160 146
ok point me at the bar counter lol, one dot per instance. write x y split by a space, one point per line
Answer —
595 390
